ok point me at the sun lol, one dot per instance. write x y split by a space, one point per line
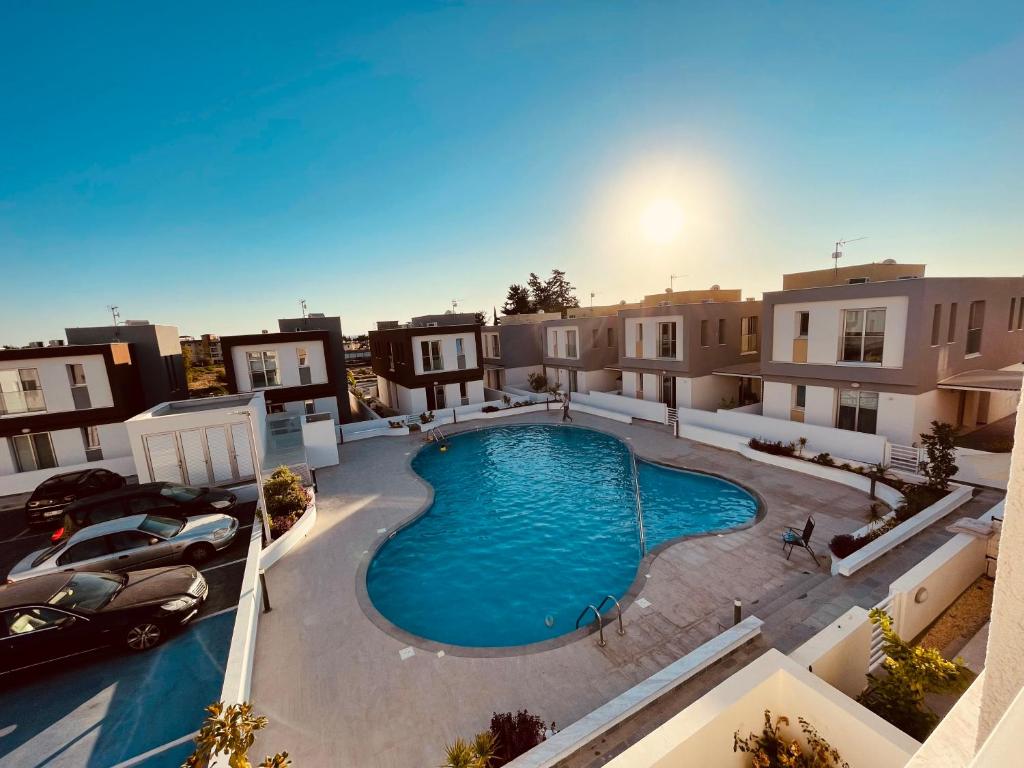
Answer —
662 221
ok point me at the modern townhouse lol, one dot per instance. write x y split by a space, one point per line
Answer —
63 407
428 367
880 348
514 350
580 353
300 372
205 350
687 349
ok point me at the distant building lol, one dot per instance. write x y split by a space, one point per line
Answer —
445 318
206 350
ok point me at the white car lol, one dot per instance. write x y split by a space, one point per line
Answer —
132 543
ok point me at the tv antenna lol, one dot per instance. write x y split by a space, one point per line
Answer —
837 254
112 309
672 280
455 305
302 303
592 295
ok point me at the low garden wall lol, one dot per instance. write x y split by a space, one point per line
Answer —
629 406
840 653
238 670
291 538
983 468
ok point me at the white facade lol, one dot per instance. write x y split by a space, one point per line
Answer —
408 401
55 382
705 393
644 337
287 357
599 380
457 352
69 446
563 341
825 330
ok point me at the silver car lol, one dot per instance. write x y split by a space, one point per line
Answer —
132 543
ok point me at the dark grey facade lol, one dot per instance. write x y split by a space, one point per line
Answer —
336 355
520 345
596 350
156 350
445 319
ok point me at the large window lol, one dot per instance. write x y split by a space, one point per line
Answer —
20 391
666 340
263 369
460 353
975 321
803 324
1013 313
951 335
432 360
611 337
570 344
721 331
79 387
858 411
799 396
33 451
863 336
936 324
748 334
492 345
91 441
704 333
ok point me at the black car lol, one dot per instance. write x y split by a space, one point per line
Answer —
47 502
61 614
163 499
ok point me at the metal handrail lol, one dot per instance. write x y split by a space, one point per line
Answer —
639 507
597 619
618 610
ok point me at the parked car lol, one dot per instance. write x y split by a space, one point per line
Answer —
47 502
52 616
130 543
164 499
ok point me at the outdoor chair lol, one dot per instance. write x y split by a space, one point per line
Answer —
794 538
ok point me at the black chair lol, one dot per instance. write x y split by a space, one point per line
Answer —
791 537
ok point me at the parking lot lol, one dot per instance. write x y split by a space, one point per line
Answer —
112 709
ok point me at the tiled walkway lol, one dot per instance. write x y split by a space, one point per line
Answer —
338 692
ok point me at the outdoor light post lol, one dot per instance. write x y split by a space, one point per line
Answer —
256 468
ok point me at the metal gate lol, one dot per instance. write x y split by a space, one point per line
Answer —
201 456
907 458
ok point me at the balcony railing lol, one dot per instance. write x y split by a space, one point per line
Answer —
25 401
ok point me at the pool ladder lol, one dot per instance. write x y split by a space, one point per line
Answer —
596 609
437 436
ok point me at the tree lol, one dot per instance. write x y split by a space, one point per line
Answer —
539 298
538 382
560 292
231 730
911 672
517 300
480 318
941 455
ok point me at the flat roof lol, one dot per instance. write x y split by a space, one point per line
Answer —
986 380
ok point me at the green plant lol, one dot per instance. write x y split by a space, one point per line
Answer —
876 513
911 672
284 494
825 459
941 464
230 730
801 444
774 447
480 754
515 734
773 749
506 400
538 382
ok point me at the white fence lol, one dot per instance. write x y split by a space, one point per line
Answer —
983 468
629 406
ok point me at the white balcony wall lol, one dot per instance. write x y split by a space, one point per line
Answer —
449 355
287 363
69 450
53 377
556 342
826 329
651 337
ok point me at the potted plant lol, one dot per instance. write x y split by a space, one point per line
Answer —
772 748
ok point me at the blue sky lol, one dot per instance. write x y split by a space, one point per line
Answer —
209 165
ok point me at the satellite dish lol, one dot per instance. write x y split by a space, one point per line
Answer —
889 261
716 287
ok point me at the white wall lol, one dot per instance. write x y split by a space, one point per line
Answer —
840 653
555 340
896 417
601 380
650 333
287 363
448 353
640 409
519 377
53 377
410 400
825 331
320 439
707 392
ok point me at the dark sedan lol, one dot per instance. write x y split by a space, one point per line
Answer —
47 503
163 499
63 614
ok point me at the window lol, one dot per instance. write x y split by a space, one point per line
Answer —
1020 314
748 334
391 356
439 401
803 324
863 336
799 396
554 343
570 344
164 527
79 390
87 591
593 338
721 331
263 369
275 408
141 505
936 324
975 321
122 541
492 346
302 358
86 550
460 353
302 355
91 441
309 407
20 391
33 451
611 337
951 333
858 411
666 339
463 393
21 621
431 352
857 280
704 333
76 374
1013 313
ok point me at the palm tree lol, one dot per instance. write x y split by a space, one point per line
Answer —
479 754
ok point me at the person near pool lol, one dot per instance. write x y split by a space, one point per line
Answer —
565 408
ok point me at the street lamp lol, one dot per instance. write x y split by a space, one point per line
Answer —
256 468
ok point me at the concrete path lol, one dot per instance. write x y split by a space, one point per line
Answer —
339 691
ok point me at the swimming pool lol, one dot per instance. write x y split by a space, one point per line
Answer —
530 524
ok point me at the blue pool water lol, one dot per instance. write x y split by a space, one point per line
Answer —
529 524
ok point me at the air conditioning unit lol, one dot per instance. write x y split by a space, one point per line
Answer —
55 343
35 344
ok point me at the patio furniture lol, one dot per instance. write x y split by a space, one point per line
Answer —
791 537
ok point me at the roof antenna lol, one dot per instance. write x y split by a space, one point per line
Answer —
302 303
671 281
837 254
112 309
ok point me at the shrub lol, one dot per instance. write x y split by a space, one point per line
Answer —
479 754
506 400
426 417
843 545
515 734
538 382
911 673
284 494
395 424
490 409
824 459
774 447
941 455
773 749
231 730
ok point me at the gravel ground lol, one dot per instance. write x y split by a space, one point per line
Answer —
962 620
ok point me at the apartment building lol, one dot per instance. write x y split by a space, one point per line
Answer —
428 367
880 348
580 353
205 350
63 407
300 372
514 350
677 344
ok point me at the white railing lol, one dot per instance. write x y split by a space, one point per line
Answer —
906 458
876 654
639 507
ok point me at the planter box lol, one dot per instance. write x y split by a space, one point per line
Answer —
290 539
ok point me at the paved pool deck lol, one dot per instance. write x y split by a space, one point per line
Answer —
340 690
